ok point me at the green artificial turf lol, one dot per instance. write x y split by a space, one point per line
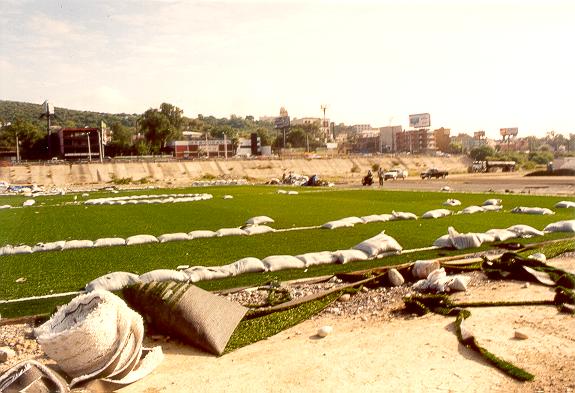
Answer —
63 218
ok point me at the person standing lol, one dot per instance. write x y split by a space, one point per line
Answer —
380 175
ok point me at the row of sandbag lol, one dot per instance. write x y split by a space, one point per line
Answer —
148 199
374 247
252 227
460 241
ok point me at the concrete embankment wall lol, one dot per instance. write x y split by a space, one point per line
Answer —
345 169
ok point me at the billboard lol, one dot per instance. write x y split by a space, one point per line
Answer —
508 131
420 120
282 122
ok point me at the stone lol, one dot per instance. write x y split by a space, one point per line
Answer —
345 297
324 331
6 354
520 335
395 278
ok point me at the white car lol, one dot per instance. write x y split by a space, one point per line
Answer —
394 174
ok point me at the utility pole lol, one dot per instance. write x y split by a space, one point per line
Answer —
89 148
17 149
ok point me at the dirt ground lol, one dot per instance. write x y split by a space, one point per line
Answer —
390 352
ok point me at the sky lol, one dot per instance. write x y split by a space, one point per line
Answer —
473 65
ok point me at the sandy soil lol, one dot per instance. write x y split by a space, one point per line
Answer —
403 353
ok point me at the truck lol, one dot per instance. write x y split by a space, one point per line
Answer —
394 174
434 173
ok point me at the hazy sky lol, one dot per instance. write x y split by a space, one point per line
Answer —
473 65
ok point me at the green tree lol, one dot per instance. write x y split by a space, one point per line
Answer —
27 133
161 126
481 153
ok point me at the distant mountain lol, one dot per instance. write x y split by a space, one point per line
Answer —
11 110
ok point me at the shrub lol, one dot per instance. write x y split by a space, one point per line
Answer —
355 169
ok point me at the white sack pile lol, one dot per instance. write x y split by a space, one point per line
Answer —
258 220
281 262
461 241
258 229
532 210
140 239
173 237
377 218
438 281
112 281
230 232
201 234
337 224
109 242
97 335
492 208
471 210
501 235
436 213
345 256
318 258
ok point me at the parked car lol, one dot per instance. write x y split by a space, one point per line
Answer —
434 173
394 174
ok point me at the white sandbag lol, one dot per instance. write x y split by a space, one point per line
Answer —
561 226
282 192
293 193
422 268
318 258
345 256
5 207
378 244
228 197
532 210
452 202
245 265
538 256
203 273
109 242
337 224
492 208
281 262
258 230
73 244
258 220
459 282
560 205
164 275
377 218
22 249
230 232
140 239
353 220
201 234
463 241
438 280
492 202
173 237
501 235
471 210
525 231
436 213
29 202
485 237
443 242
50 246
403 216
112 281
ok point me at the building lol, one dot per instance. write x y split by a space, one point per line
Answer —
442 140
415 141
387 138
197 148
359 128
305 121
78 144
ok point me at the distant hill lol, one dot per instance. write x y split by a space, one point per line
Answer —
11 110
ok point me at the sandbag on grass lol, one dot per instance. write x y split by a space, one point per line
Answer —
532 210
462 241
561 226
501 234
318 258
403 216
140 239
258 220
471 210
452 202
74 244
50 246
436 213
337 224
203 273
230 232
109 242
258 230
201 234
173 237
346 256
525 231
378 244
163 275
195 316
245 265
561 205
112 281
492 202
281 262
